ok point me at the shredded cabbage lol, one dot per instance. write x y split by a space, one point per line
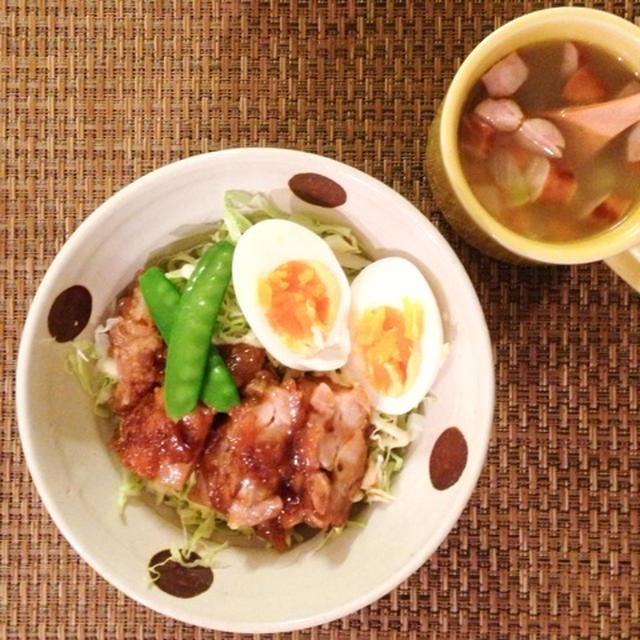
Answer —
130 487
198 522
334 532
388 442
206 557
84 362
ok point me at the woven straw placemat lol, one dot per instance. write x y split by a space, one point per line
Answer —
94 93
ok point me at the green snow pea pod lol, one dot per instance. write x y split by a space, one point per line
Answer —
190 338
161 297
219 391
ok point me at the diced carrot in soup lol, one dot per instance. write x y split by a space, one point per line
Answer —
584 87
530 173
550 182
560 186
477 136
610 210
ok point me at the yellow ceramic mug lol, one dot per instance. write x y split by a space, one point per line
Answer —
619 246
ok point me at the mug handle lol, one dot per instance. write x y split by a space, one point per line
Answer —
627 266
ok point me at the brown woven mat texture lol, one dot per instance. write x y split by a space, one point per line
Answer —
94 93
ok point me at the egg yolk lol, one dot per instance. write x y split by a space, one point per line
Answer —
387 339
298 300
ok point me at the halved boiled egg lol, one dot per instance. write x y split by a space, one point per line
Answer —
294 295
396 335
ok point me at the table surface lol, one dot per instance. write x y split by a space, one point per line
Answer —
96 93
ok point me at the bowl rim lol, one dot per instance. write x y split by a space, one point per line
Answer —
27 432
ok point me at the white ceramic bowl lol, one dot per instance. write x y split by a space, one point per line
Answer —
254 590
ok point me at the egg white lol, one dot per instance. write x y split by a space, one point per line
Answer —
261 249
386 282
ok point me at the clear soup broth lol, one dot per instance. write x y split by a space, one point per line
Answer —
528 169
